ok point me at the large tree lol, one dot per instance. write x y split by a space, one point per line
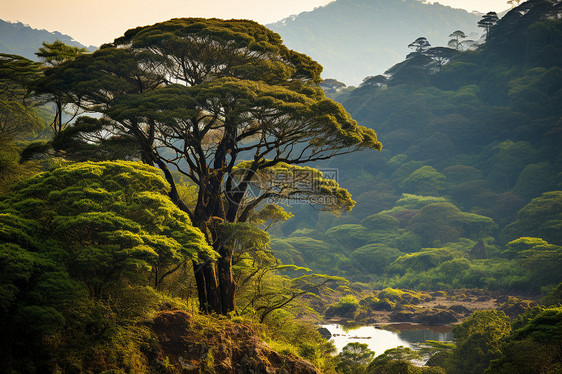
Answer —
225 104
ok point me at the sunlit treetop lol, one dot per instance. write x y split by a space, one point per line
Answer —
198 50
57 52
109 218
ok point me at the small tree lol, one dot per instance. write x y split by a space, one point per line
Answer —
419 45
354 358
457 41
487 22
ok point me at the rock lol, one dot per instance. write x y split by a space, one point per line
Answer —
441 317
325 333
402 316
439 294
479 250
410 299
514 308
502 299
383 304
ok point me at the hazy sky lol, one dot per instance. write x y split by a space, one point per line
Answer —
100 21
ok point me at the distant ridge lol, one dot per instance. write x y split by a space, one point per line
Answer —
353 39
23 40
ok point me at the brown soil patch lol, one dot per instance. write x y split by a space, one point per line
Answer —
189 346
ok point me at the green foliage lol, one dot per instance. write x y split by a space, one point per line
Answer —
35 292
478 341
410 201
424 181
423 260
397 360
267 290
105 213
554 297
374 258
483 134
537 89
271 214
508 162
474 142
288 335
349 236
81 245
540 218
535 179
285 182
462 173
16 121
391 294
517 246
534 347
381 221
444 222
544 264
346 307
354 358
20 118
58 52
301 250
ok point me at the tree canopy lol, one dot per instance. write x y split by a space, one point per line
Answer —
199 96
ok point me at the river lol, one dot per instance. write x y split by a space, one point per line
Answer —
392 336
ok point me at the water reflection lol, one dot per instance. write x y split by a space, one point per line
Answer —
419 334
379 340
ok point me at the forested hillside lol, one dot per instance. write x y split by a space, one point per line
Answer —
356 38
466 190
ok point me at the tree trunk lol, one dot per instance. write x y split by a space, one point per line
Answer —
208 290
57 122
201 288
226 281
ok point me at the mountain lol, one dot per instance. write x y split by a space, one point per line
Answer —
23 40
353 39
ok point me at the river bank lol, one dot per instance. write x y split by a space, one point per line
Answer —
391 306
